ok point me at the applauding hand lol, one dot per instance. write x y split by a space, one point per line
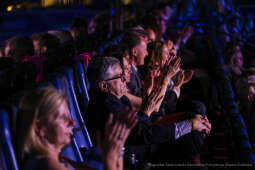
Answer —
116 133
151 102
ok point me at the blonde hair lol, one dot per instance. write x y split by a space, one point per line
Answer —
37 105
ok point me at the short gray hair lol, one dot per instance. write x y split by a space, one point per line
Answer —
100 69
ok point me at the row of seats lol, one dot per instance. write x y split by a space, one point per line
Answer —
73 83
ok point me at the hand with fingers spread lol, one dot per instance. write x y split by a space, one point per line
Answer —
207 124
170 69
187 32
128 117
201 123
116 133
188 75
151 101
179 79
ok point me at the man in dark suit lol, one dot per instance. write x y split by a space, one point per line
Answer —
136 43
107 96
135 85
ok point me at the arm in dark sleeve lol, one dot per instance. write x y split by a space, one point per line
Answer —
170 102
147 133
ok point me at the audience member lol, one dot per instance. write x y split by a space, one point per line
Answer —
45 127
108 91
18 48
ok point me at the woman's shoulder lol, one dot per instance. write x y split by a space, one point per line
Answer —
42 163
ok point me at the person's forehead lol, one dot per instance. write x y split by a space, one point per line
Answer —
143 43
116 69
143 38
36 42
165 47
63 107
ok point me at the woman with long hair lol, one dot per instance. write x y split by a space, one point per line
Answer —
45 127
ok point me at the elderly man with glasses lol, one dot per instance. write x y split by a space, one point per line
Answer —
107 95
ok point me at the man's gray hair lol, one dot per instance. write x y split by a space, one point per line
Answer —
100 69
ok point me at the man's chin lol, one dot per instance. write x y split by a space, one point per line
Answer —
141 64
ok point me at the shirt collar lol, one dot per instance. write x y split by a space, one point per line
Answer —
134 67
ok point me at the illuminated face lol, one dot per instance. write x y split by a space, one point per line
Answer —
141 53
37 47
7 49
59 128
116 84
151 35
238 59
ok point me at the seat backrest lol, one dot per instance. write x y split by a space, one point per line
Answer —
82 82
72 151
69 77
8 153
92 157
2 159
62 85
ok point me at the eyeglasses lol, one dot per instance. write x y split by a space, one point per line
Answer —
122 77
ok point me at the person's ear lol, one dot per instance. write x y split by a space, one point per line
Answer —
134 51
103 86
39 130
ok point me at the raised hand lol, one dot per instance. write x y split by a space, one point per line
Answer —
201 123
170 69
128 117
151 101
116 133
188 75
187 32
207 124
179 79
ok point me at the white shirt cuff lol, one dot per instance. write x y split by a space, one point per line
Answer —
177 91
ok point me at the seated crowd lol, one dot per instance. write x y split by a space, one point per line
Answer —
144 92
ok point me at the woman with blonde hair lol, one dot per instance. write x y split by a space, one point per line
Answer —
45 127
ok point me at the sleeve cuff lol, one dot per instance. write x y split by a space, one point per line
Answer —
182 128
177 92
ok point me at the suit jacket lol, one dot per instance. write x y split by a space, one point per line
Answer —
145 133
135 85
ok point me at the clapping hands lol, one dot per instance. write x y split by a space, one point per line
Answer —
152 101
201 124
182 77
115 135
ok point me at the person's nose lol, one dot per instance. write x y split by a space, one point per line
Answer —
123 79
71 122
146 53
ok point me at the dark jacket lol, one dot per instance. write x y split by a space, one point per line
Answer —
102 104
135 85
